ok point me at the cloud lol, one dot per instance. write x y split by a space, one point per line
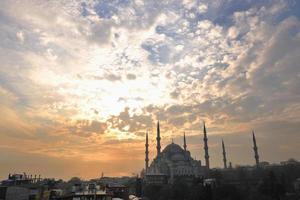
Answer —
20 36
202 8
131 123
131 76
113 77
86 127
100 32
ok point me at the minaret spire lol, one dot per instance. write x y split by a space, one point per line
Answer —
147 153
205 146
184 141
224 155
158 140
256 156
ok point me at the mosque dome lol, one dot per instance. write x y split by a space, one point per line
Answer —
174 152
173 149
178 157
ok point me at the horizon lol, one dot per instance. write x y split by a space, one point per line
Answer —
81 82
133 174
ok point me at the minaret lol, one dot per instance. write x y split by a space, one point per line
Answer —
158 140
205 146
224 155
184 141
256 156
146 153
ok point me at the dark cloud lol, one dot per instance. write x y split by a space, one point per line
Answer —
100 32
124 99
106 76
175 94
113 77
119 142
132 123
131 76
87 127
159 52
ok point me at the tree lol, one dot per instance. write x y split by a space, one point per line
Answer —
229 192
271 187
74 180
180 190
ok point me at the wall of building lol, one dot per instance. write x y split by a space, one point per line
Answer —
17 193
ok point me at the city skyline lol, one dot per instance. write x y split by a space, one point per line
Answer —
81 82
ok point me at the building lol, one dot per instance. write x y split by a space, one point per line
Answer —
87 191
173 162
297 185
290 161
28 187
20 187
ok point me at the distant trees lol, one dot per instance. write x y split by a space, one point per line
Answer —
239 184
227 192
271 187
138 187
179 190
67 186
153 192
74 180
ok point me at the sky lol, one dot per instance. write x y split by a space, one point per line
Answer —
82 81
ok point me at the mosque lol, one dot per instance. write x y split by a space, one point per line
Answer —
174 161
